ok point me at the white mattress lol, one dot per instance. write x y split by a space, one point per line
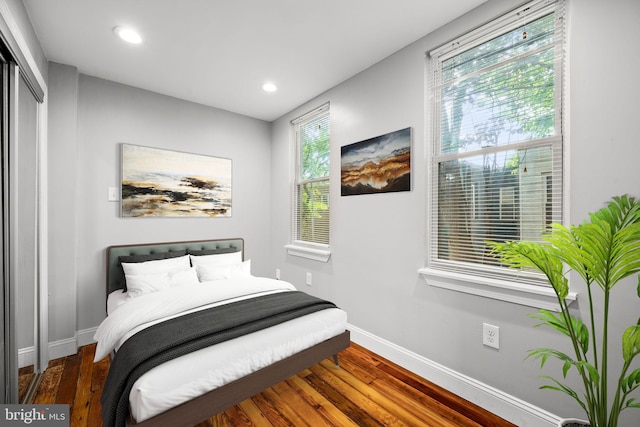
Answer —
192 375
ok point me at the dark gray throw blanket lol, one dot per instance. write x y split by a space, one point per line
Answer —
175 337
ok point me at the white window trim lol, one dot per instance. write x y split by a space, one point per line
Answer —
308 250
299 248
531 295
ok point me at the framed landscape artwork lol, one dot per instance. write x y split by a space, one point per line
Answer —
377 165
165 183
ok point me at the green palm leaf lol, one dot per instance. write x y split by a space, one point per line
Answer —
630 403
631 382
631 342
559 323
565 389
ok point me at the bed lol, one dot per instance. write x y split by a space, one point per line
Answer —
185 389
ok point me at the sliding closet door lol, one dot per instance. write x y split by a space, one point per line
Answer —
20 208
25 224
9 363
23 332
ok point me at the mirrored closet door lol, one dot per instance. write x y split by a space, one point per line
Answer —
7 341
21 291
24 224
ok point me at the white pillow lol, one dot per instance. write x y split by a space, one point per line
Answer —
168 265
184 278
116 299
216 259
208 273
146 283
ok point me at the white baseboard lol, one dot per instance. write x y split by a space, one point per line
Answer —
85 336
502 404
60 348
25 357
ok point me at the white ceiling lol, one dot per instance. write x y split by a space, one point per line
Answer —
220 52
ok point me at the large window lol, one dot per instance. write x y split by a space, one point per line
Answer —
311 188
496 166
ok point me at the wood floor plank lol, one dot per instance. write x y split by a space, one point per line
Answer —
366 390
304 410
328 409
380 406
98 377
423 407
254 417
82 400
291 409
238 417
456 403
419 404
25 378
366 357
94 416
268 410
49 384
218 420
69 381
349 401
99 374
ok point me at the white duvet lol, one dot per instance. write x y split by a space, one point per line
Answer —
192 375
145 310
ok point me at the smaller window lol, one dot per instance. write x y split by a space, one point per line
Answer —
310 225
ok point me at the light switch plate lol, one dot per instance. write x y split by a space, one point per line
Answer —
113 194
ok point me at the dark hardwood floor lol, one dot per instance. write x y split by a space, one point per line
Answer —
366 390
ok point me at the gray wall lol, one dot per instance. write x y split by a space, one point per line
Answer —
84 146
62 177
378 241
110 114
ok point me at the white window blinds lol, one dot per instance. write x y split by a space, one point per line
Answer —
496 166
311 189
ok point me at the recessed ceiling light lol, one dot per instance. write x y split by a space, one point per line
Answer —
269 87
128 35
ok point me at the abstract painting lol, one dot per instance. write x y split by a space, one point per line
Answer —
377 165
165 183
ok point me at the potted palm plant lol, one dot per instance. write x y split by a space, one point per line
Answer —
602 251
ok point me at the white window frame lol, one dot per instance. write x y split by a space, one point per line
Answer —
300 248
492 282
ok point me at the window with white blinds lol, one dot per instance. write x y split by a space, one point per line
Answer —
496 167
311 188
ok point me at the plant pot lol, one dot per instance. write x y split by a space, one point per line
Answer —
573 422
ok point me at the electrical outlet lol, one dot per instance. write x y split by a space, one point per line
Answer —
308 279
277 273
491 335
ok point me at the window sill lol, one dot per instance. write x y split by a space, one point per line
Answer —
503 290
319 253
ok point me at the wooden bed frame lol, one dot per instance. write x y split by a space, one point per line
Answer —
209 404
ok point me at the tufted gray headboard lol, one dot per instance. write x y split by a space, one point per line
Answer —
115 274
